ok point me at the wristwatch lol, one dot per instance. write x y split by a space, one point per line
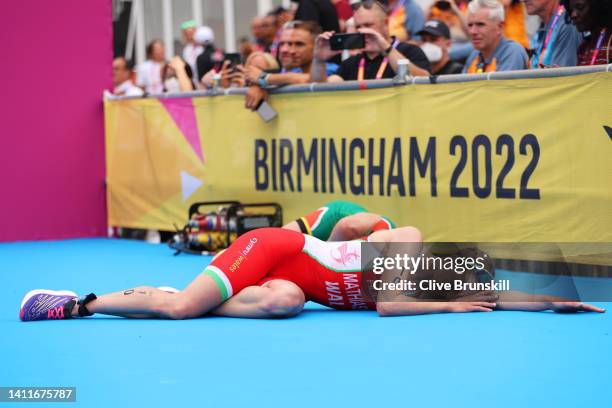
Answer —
262 79
388 50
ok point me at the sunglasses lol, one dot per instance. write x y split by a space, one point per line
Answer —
293 24
368 4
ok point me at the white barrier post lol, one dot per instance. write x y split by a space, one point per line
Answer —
167 28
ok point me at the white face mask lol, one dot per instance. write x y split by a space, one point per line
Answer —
432 51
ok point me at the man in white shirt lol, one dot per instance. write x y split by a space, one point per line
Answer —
192 48
123 85
148 73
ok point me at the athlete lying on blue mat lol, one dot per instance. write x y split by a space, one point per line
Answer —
271 272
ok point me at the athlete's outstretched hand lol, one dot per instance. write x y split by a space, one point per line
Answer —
573 307
463 307
483 296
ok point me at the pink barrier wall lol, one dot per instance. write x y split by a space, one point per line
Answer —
56 62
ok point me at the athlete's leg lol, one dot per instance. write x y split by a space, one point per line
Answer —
276 298
198 298
402 234
293 226
244 264
358 225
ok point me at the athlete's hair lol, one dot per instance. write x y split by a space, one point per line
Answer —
471 275
496 9
600 12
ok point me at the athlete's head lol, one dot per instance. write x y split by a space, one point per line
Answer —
452 262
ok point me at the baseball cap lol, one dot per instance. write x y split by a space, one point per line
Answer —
204 35
436 28
188 24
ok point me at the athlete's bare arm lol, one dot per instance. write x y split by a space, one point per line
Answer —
514 300
397 303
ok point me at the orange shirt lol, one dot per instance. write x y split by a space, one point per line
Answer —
397 20
515 24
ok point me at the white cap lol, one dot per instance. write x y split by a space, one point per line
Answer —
204 35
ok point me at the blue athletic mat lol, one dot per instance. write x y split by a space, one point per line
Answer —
322 358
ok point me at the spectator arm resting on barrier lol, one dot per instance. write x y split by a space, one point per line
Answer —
254 96
254 75
287 79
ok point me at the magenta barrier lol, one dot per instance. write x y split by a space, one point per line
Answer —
56 62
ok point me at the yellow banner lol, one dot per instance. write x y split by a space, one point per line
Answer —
495 161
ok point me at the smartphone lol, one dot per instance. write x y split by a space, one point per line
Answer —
266 111
443 5
234 58
352 41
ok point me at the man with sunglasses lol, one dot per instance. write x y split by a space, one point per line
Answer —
380 56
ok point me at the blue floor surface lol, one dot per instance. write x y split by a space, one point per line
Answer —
322 358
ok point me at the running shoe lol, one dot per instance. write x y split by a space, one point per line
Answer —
43 304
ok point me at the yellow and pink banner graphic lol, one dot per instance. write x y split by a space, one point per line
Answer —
526 160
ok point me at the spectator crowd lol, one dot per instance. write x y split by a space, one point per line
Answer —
445 37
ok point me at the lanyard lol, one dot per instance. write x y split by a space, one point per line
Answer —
482 65
380 72
602 34
479 66
381 68
544 47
